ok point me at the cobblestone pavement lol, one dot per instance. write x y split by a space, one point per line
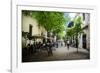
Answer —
61 53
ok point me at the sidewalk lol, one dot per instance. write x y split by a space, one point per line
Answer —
64 54
61 53
73 49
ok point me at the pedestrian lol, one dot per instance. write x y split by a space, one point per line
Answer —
49 44
28 49
68 44
65 43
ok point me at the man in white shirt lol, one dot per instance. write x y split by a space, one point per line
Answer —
68 44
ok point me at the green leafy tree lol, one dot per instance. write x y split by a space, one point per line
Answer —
52 21
76 30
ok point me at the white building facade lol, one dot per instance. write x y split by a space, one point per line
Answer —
27 22
84 39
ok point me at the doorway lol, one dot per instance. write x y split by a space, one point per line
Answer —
84 41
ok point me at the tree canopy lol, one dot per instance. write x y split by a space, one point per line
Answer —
76 29
51 21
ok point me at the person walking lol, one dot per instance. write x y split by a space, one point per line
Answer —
68 44
49 44
65 43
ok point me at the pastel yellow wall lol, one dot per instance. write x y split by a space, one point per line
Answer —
26 20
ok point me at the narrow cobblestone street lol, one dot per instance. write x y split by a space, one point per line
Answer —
61 53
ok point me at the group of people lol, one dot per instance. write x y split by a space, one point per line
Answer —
37 47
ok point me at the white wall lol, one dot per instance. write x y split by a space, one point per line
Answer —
80 41
86 31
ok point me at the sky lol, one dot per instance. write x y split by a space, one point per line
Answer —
71 15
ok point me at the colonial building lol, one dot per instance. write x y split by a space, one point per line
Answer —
31 29
84 39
